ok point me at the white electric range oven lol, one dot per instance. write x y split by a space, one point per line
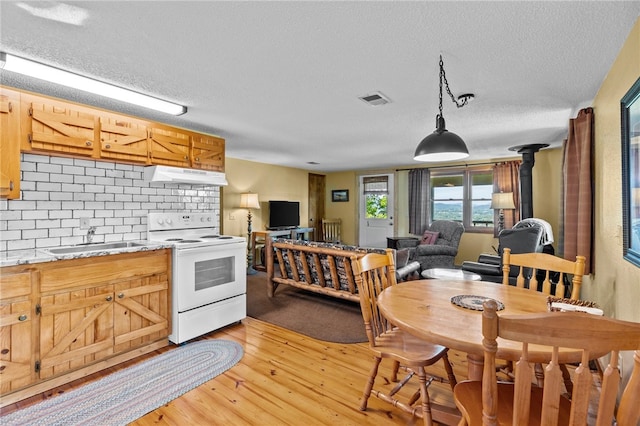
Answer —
209 280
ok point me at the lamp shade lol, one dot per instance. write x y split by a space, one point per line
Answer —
249 200
502 200
441 145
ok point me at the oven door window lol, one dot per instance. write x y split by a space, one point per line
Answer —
214 272
204 275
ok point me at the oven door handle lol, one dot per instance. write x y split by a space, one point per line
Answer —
207 249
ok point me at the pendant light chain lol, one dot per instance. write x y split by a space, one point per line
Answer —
443 77
443 145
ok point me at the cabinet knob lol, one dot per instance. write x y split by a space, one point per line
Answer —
107 146
88 143
10 185
109 298
121 296
22 317
197 158
186 157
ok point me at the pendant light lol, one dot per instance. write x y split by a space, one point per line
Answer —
442 145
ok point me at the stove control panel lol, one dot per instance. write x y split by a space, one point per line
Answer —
168 221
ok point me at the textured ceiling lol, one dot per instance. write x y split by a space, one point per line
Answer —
280 81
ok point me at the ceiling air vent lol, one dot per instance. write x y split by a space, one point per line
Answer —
375 99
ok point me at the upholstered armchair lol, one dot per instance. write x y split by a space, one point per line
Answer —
528 237
439 245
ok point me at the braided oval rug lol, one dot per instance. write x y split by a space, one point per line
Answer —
128 394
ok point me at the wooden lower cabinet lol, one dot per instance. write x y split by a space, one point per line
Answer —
17 329
76 328
93 313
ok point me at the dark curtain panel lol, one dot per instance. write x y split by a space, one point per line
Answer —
506 178
418 200
577 167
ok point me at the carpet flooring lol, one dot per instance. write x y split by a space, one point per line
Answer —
128 394
314 315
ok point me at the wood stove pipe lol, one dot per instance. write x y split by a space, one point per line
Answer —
526 176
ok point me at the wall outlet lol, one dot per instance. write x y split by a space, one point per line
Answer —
231 216
84 223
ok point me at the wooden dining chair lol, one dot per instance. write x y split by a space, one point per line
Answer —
520 403
537 269
374 273
332 230
545 273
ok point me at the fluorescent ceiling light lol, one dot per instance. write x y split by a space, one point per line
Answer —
55 75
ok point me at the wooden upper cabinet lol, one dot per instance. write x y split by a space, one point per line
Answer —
207 152
9 144
39 124
60 127
124 139
169 146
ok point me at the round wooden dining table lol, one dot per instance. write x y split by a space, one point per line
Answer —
426 309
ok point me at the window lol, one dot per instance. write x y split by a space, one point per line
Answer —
463 196
376 192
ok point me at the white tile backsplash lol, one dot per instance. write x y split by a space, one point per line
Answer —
57 191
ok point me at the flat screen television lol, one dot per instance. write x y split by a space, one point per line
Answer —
284 214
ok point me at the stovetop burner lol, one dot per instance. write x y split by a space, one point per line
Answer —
187 230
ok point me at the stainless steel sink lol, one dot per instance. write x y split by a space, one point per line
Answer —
84 248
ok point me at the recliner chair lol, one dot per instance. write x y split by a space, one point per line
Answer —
527 236
442 253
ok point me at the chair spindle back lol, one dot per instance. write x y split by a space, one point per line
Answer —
374 273
591 334
332 230
545 264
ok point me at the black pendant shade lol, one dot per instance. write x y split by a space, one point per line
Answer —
441 145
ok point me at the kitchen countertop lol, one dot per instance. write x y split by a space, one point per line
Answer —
23 257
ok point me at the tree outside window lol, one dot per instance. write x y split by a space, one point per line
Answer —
376 192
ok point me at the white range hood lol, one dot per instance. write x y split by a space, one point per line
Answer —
180 175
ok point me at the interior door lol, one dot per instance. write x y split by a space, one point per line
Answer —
376 203
316 204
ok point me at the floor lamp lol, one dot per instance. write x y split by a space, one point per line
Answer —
249 201
501 201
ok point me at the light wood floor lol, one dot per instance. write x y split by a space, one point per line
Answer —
285 378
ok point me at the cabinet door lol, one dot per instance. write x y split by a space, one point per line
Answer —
17 345
56 126
169 147
76 328
123 139
141 311
9 144
207 152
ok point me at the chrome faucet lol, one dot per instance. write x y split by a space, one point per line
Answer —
90 233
